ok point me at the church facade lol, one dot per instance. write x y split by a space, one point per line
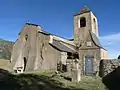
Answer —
36 49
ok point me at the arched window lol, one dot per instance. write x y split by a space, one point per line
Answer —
82 22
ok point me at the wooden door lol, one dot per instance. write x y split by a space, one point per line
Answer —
89 65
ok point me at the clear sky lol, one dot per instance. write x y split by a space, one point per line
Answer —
56 16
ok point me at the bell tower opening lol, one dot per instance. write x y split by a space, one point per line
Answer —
82 22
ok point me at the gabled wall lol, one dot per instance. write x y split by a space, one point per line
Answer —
32 51
26 47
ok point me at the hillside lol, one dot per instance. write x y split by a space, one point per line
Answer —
5 49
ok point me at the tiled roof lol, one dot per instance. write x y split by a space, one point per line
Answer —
63 47
47 33
96 40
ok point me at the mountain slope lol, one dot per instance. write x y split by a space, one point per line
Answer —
5 49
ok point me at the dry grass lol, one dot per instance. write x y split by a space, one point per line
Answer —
4 62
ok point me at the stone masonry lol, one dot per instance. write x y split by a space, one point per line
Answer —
108 65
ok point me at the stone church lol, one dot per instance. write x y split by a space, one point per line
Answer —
36 49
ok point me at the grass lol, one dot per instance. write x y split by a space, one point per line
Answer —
86 83
46 81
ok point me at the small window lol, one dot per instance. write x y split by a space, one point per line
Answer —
82 22
94 20
94 23
26 37
89 44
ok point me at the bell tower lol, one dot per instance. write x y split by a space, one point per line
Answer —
84 21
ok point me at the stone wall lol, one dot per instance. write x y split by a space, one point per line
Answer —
48 55
108 65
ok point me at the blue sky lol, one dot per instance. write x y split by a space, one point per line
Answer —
56 16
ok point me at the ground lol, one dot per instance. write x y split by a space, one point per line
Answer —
46 81
4 63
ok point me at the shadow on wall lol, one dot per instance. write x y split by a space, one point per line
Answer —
112 80
29 82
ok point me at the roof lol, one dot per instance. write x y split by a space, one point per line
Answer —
44 32
96 40
32 24
84 10
62 47
71 39
47 33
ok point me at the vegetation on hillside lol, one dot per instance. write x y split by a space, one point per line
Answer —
5 49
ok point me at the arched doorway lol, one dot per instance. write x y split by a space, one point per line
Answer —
25 62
